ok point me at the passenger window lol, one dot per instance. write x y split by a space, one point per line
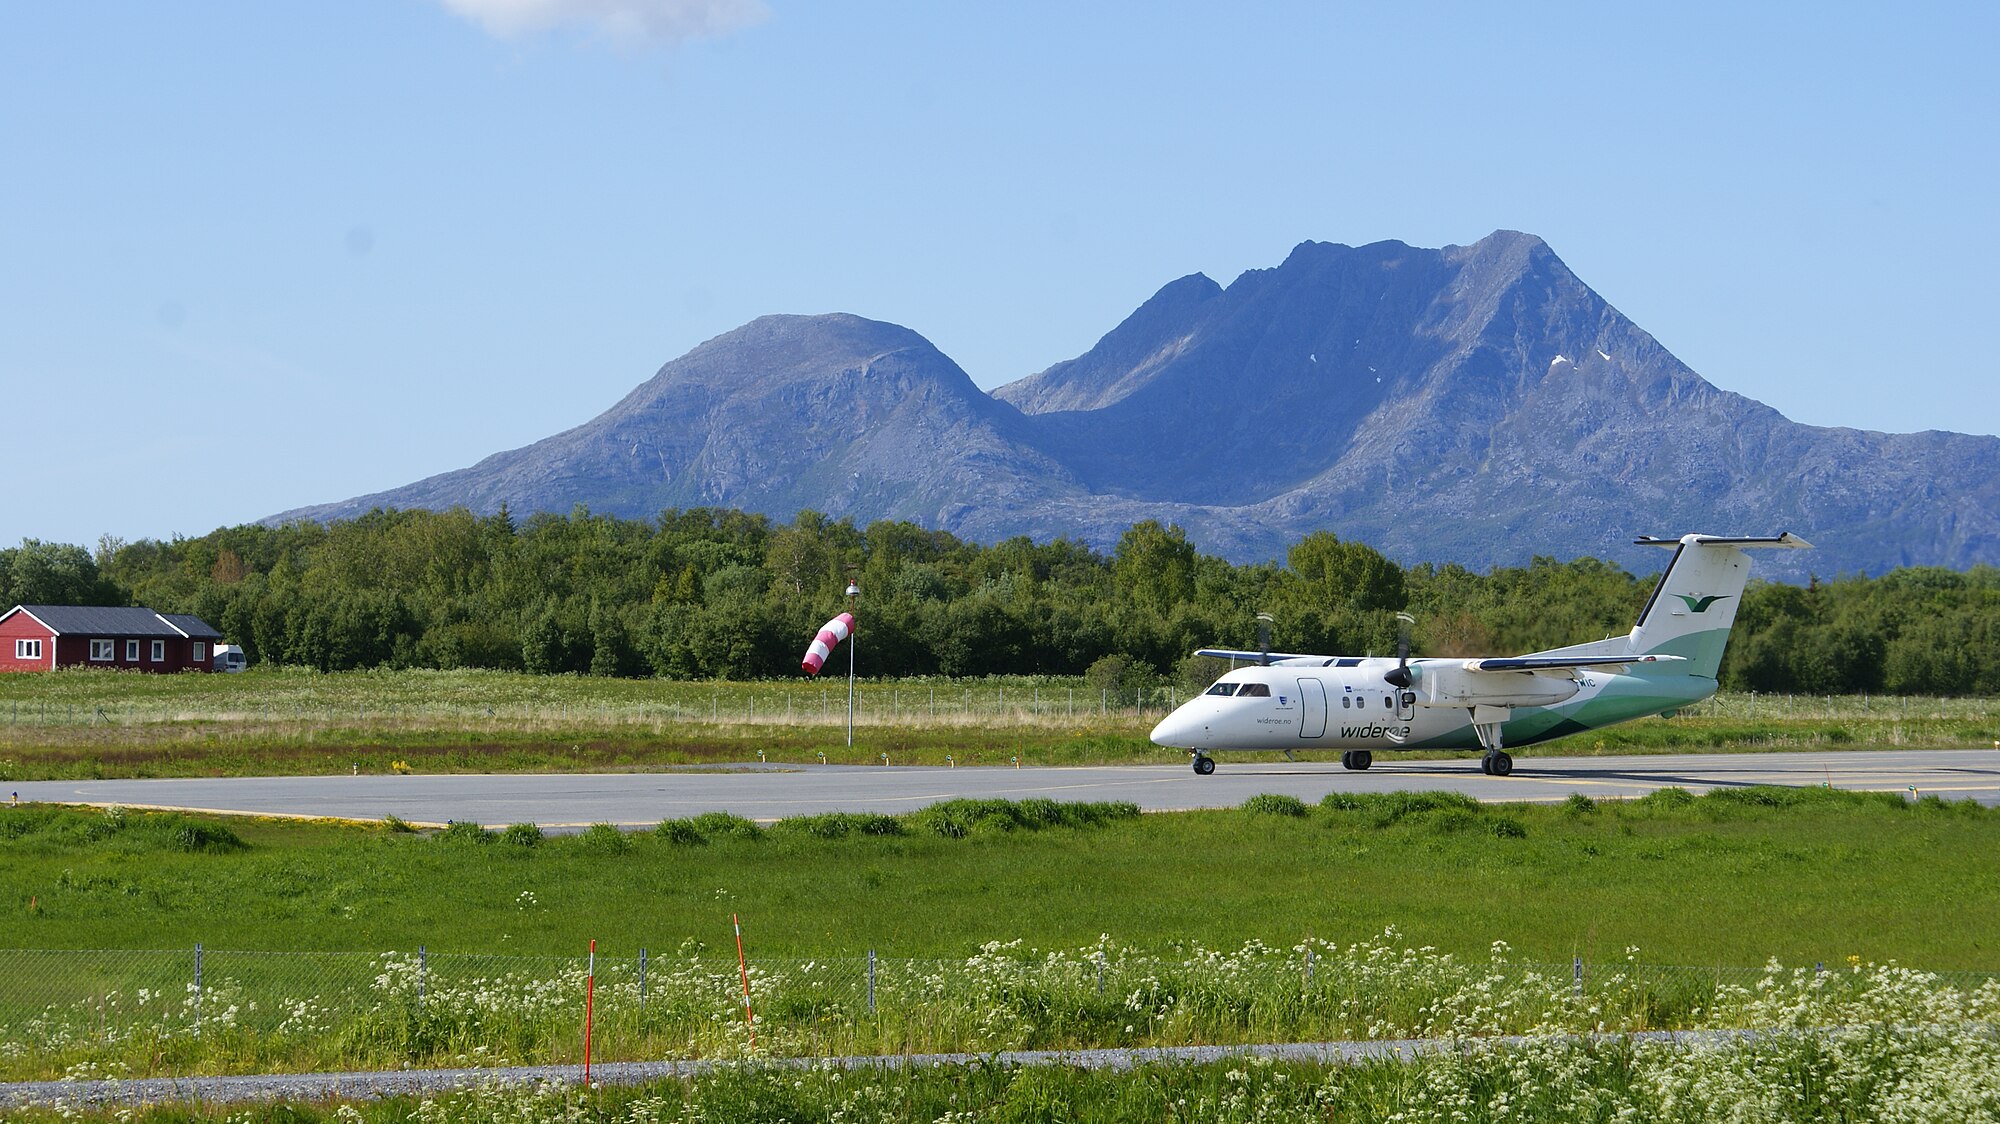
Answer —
1385 702
1345 702
1223 689
1255 690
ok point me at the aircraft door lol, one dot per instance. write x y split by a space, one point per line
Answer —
1406 705
1312 708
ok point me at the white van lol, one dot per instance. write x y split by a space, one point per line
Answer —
228 657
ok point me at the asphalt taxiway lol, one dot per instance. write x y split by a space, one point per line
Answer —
567 801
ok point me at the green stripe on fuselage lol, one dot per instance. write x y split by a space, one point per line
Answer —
1615 699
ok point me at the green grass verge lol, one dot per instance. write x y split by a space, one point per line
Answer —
1733 877
1031 925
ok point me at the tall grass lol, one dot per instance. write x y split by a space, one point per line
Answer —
1860 1044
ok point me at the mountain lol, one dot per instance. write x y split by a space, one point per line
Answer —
1477 404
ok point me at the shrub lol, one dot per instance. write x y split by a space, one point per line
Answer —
1507 827
1392 807
196 836
1275 804
725 825
1577 804
522 835
681 833
956 819
1666 799
1453 821
603 837
394 822
464 831
840 825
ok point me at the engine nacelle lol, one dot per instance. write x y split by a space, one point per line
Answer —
1448 685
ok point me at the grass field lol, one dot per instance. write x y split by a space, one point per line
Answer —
1797 874
91 723
998 926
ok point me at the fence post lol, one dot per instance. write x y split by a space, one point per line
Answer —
1309 968
197 989
423 967
871 981
642 984
1100 971
1576 974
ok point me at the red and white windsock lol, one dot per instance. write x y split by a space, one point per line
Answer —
831 633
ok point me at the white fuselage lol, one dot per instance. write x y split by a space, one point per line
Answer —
1346 704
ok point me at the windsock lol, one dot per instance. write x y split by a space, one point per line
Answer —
831 633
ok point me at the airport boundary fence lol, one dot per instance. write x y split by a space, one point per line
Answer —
876 704
65 1009
776 704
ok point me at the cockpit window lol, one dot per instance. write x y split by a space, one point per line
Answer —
1255 690
1223 689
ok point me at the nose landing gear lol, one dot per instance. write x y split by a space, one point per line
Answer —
1203 763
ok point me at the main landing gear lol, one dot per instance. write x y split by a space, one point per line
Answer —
1203 763
1486 722
1356 759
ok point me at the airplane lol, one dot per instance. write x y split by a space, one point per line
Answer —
1362 705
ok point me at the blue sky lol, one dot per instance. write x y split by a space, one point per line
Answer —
256 255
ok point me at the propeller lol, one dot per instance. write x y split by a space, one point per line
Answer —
1263 640
1401 677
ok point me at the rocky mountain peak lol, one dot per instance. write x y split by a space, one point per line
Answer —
1402 396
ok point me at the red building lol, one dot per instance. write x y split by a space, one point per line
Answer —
42 637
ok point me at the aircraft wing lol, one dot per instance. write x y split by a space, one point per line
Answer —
1253 657
1564 663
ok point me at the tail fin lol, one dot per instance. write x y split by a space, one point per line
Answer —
1694 605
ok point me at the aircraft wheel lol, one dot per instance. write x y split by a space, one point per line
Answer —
1203 766
1486 765
1502 764
1362 759
1347 759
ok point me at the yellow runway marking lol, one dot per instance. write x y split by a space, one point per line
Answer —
305 816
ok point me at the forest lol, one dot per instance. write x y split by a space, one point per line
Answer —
711 593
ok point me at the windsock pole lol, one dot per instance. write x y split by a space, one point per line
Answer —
589 1001
853 594
743 966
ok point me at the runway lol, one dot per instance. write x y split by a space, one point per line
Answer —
568 801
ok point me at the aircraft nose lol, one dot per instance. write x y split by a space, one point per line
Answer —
1183 729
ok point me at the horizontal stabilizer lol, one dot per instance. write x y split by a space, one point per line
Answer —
1785 539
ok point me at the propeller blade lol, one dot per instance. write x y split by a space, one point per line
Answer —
1263 640
1400 677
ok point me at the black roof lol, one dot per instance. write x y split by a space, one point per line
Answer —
101 620
195 627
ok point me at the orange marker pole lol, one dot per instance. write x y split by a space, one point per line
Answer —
589 1001
743 966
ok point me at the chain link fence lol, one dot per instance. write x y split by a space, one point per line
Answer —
876 704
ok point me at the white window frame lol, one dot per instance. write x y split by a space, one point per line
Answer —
103 651
197 651
27 649
131 651
159 653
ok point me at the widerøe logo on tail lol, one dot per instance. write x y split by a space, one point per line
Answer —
1701 604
